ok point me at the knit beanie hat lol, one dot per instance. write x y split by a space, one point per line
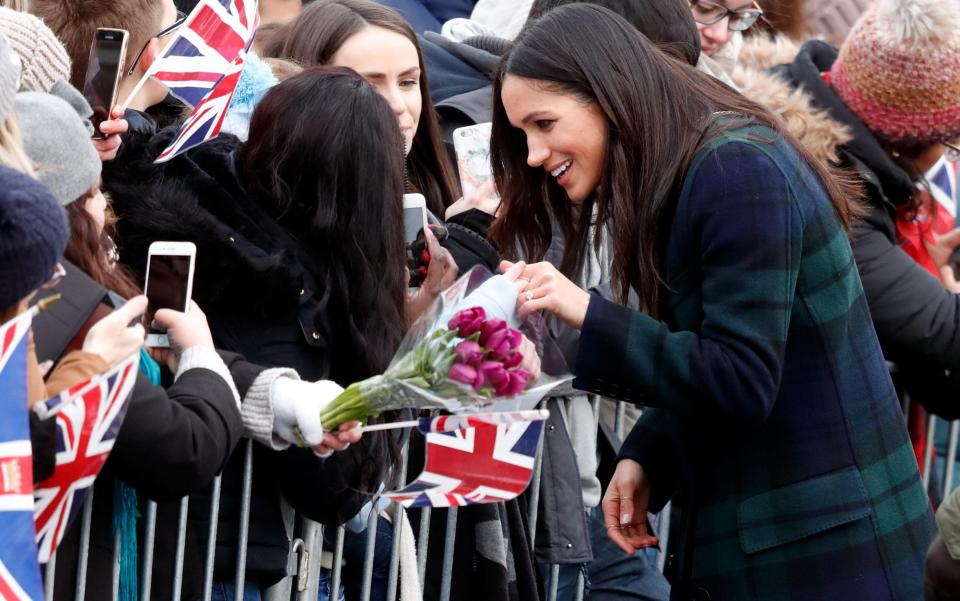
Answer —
33 234
56 136
9 77
45 60
899 71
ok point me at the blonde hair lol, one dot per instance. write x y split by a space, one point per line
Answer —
12 153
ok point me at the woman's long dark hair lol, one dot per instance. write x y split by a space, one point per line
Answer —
324 157
317 34
659 111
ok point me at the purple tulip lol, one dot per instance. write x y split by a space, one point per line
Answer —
468 321
469 353
489 327
518 382
513 359
466 374
502 342
496 375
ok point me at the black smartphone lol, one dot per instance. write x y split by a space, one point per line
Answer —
104 67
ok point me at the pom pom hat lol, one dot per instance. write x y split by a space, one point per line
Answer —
899 71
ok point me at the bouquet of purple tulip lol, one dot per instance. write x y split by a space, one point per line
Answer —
459 359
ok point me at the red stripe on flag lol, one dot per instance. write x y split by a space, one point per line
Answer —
192 76
217 33
8 340
242 12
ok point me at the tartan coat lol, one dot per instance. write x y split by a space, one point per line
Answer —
773 410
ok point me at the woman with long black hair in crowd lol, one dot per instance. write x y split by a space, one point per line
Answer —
300 265
772 408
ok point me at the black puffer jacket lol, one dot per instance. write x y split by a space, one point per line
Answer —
260 301
916 318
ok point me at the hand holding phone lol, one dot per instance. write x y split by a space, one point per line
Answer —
169 284
104 67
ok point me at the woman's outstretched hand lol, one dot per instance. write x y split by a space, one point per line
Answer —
441 274
545 288
625 507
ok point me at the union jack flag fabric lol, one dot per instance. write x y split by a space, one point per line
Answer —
449 423
205 47
942 178
483 464
88 419
19 572
205 121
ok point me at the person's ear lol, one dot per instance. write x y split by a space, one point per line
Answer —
149 54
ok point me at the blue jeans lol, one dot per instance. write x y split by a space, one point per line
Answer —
224 590
615 576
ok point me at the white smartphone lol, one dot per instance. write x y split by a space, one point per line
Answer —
414 216
472 145
169 283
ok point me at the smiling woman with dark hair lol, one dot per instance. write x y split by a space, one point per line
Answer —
771 407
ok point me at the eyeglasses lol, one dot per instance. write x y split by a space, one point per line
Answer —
58 272
708 12
952 153
181 17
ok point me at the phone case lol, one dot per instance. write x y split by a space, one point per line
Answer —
472 145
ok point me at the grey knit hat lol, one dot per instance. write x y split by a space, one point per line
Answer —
45 60
56 135
9 77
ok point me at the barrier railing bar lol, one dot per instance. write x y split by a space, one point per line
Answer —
619 417
394 572
535 483
84 556
211 540
906 405
49 572
369 551
181 548
244 533
423 545
115 576
337 565
579 592
554 582
149 537
951 457
929 452
663 533
449 540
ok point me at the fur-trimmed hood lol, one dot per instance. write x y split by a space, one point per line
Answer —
815 128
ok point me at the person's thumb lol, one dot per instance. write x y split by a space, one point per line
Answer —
626 510
132 309
512 271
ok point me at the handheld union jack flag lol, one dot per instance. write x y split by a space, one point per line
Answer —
205 47
88 420
19 572
942 179
205 121
485 463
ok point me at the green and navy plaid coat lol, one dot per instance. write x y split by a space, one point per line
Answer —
774 411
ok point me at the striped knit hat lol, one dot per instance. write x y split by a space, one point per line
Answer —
45 60
899 71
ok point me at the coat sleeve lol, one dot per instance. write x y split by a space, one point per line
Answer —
740 236
174 441
916 318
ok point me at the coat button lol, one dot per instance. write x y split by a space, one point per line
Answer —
315 335
569 545
302 292
701 594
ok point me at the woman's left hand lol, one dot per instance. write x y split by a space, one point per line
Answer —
548 289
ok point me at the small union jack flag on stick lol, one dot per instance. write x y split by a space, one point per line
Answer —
485 463
19 572
88 420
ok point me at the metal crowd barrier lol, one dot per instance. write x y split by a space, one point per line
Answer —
304 584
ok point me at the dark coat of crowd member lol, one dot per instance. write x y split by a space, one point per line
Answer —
772 408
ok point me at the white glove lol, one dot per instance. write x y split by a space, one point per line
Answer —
296 408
